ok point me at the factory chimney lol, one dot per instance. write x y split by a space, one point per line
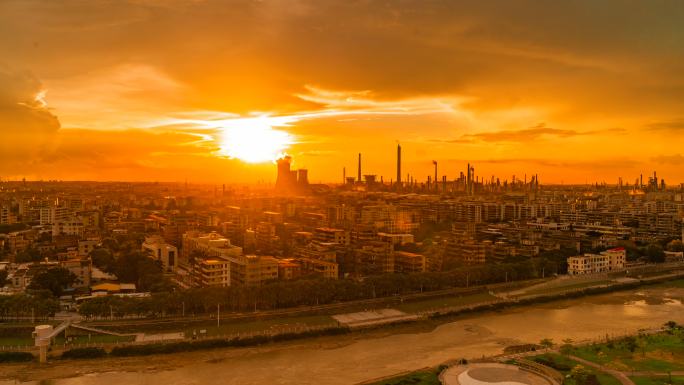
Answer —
399 165
359 176
435 163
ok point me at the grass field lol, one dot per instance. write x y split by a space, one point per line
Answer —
561 286
564 365
442 302
675 380
420 377
289 323
279 324
16 341
81 339
94 338
658 352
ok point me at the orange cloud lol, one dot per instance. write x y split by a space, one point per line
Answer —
444 78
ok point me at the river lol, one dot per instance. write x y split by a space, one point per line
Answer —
347 360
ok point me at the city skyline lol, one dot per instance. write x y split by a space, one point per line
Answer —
172 91
408 179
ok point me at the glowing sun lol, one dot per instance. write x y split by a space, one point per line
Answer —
254 140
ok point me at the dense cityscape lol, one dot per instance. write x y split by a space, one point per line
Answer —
83 241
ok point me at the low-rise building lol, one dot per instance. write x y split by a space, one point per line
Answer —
405 262
325 269
396 239
316 250
289 269
253 270
86 246
210 244
674 256
71 226
159 250
609 260
81 268
210 271
330 235
374 257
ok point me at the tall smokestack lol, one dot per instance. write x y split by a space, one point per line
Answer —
435 163
468 180
359 176
399 164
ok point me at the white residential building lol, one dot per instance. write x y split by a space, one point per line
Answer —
71 226
211 244
219 255
609 260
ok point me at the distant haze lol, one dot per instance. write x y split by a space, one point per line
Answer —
214 91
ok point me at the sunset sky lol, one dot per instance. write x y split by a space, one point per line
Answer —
211 91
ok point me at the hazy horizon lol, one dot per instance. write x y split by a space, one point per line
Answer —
207 90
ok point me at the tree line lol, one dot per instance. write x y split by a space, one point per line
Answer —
39 305
305 292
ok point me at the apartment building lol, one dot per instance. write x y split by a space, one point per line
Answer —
330 235
609 260
210 244
405 262
253 270
166 253
325 269
70 226
396 239
211 271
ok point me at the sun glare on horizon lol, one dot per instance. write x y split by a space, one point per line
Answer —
254 140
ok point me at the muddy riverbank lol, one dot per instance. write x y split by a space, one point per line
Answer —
353 358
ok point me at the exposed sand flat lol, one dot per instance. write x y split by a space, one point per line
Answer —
373 317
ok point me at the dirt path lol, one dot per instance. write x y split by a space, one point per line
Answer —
622 377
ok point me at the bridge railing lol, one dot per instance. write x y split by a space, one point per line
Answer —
552 374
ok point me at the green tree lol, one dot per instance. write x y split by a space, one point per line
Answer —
655 253
44 237
55 280
546 343
566 348
21 305
633 252
631 343
579 373
146 273
29 255
103 259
